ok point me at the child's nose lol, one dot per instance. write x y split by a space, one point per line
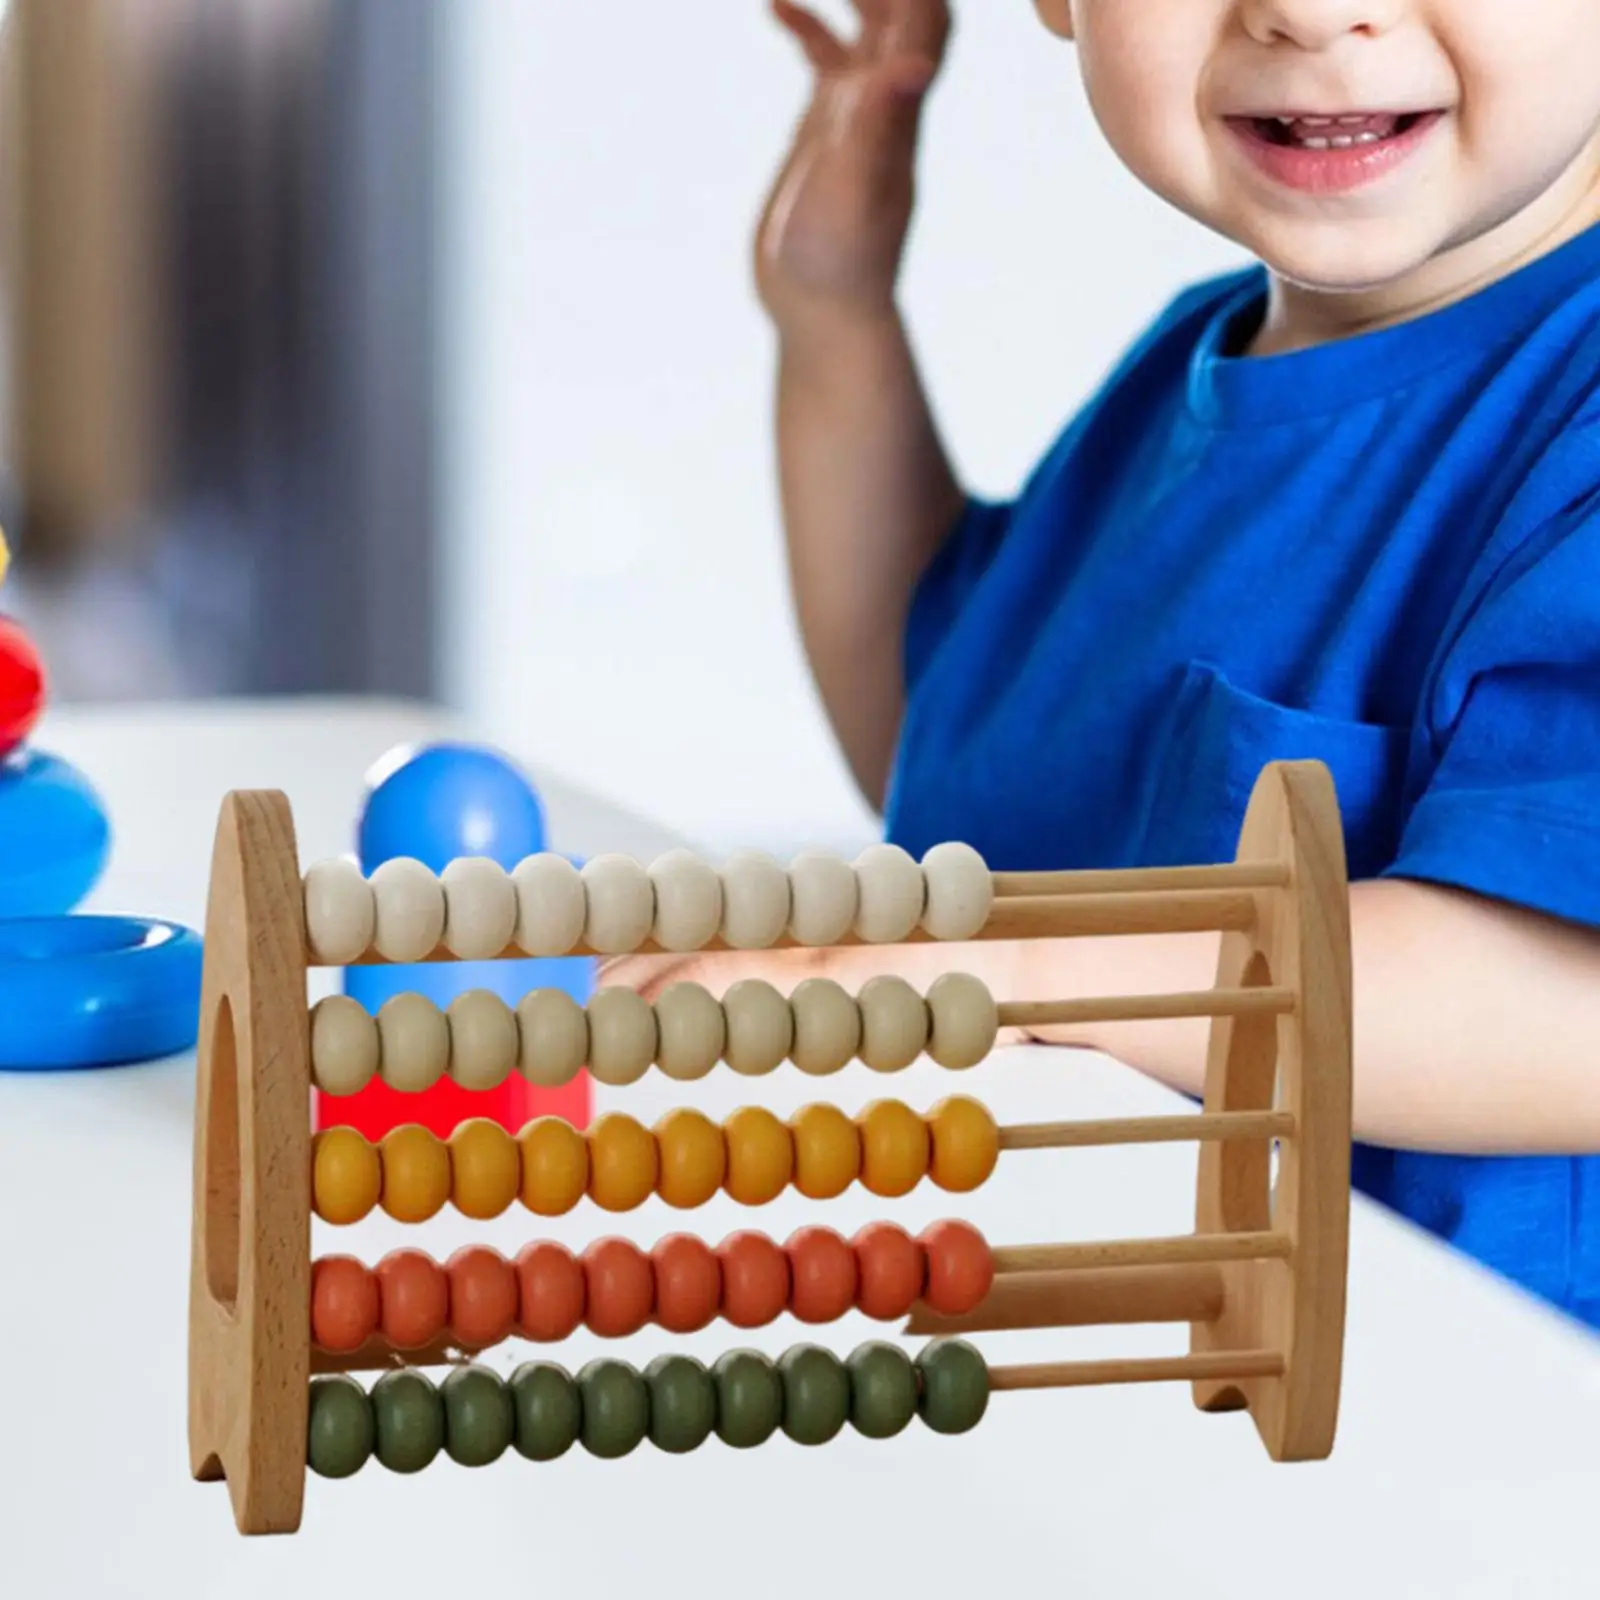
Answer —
1317 24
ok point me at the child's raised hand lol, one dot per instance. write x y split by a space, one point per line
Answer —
834 227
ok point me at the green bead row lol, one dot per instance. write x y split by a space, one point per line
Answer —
474 1416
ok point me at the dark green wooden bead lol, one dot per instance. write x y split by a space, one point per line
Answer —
549 1413
479 1419
816 1394
683 1404
340 1433
616 1408
410 1420
749 1398
955 1386
883 1389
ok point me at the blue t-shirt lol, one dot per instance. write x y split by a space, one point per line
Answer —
1383 554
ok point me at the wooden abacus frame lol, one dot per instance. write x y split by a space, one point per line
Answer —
1261 1280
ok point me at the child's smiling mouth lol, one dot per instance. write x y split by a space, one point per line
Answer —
1330 153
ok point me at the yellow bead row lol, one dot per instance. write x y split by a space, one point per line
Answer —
619 1163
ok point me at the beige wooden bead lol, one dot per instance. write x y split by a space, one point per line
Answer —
755 901
892 894
480 908
410 902
827 1027
960 892
341 912
621 904
966 1020
691 1031
894 1023
554 1033
413 1043
823 895
760 1027
688 900
622 1035
483 1040
551 905
344 1045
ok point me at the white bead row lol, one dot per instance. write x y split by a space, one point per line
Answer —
479 1041
614 905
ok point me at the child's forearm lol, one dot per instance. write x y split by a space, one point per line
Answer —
868 494
1477 1025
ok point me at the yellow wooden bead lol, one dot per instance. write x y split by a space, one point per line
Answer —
623 1162
760 1156
555 1166
416 1173
485 1170
827 1151
894 1148
966 1144
693 1158
346 1175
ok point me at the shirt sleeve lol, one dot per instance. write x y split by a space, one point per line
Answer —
1512 809
950 578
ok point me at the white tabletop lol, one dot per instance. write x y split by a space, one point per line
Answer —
1466 1463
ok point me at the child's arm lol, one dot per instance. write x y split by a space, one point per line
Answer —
868 492
1476 1024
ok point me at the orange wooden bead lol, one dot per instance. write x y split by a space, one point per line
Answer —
619 1288
822 1270
550 1284
483 1295
960 1268
623 1162
344 1304
346 1176
890 1268
755 1279
416 1173
692 1158
688 1283
413 1299
486 1169
895 1148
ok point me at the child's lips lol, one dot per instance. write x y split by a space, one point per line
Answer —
1331 153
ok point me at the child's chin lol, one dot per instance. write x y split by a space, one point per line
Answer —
1341 261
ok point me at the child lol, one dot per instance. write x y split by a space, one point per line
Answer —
1344 505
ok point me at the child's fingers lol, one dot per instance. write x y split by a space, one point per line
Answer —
916 28
823 48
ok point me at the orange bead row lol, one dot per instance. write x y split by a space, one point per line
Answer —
479 1298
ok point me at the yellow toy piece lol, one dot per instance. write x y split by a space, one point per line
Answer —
5 556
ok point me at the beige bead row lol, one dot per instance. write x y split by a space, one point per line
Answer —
546 906
479 1041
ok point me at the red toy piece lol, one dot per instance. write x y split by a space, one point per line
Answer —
22 687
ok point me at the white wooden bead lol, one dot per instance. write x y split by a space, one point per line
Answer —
550 904
691 1031
621 904
688 900
894 1023
755 901
760 1027
554 1033
341 913
827 1027
344 1045
823 894
480 908
892 894
410 902
960 892
483 1040
414 1043
622 1035
966 1020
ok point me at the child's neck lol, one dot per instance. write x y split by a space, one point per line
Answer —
1297 318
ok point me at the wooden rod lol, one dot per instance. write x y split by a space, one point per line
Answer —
1184 1250
1222 1366
1144 880
1255 1002
1211 1127
1111 1297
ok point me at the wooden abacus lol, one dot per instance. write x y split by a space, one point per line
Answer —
1261 1280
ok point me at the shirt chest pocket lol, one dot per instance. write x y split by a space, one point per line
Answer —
1221 736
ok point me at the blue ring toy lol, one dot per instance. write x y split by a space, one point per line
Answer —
96 991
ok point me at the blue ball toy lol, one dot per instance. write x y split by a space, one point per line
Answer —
55 837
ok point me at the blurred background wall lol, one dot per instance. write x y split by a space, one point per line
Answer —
409 347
